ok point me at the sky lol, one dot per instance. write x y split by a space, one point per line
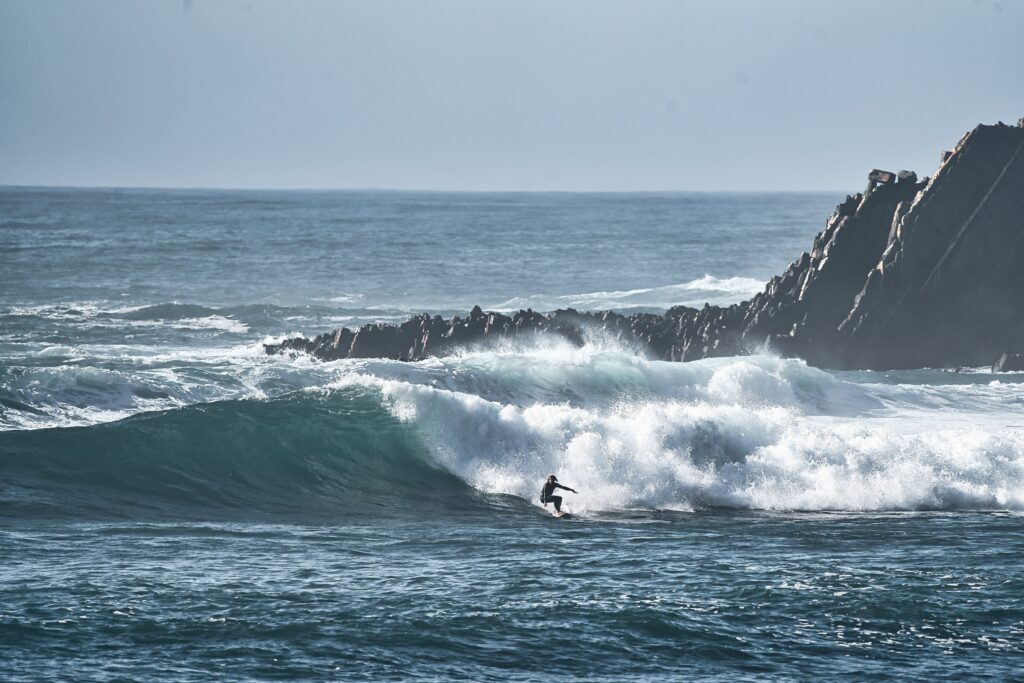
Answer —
723 95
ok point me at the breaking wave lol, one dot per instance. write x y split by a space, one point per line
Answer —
479 432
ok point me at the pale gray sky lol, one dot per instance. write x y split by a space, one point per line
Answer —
546 94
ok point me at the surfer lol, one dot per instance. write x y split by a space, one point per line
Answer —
549 488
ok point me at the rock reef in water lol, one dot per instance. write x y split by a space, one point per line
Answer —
908 274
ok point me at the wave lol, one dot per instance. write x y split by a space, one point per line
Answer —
168 311
75 393
706 289
297 456
481 431
741 436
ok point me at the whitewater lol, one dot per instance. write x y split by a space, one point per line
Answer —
175 502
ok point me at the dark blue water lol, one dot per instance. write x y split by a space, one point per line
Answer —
514 596
176 505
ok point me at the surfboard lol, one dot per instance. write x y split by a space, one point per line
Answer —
561 514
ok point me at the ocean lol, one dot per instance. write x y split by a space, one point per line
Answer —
176 505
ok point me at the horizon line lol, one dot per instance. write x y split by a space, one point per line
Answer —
192 188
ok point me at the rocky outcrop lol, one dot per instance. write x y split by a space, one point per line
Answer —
948 288
1009 362
909 274
680 334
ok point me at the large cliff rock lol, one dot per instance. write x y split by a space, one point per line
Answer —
909 274
948 288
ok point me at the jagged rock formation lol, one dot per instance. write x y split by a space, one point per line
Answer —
1009 362
949 287
909 274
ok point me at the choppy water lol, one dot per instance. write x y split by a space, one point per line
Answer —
176 505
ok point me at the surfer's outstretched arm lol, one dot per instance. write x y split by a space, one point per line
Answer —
566 488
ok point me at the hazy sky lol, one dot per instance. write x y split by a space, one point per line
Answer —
594 95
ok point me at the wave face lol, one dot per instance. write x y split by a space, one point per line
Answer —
304 455
478 433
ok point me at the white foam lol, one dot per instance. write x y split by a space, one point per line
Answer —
58 351
706 289
347 298
214 322
756 433
128 380
551 370
71 311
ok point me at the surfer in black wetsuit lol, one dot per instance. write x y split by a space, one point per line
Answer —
549 488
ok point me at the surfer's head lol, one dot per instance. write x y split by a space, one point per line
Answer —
552 478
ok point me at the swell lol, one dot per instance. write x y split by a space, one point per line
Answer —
302 455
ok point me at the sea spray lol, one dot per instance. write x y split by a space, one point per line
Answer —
751 433
676 455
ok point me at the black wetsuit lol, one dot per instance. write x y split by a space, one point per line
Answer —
549 488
